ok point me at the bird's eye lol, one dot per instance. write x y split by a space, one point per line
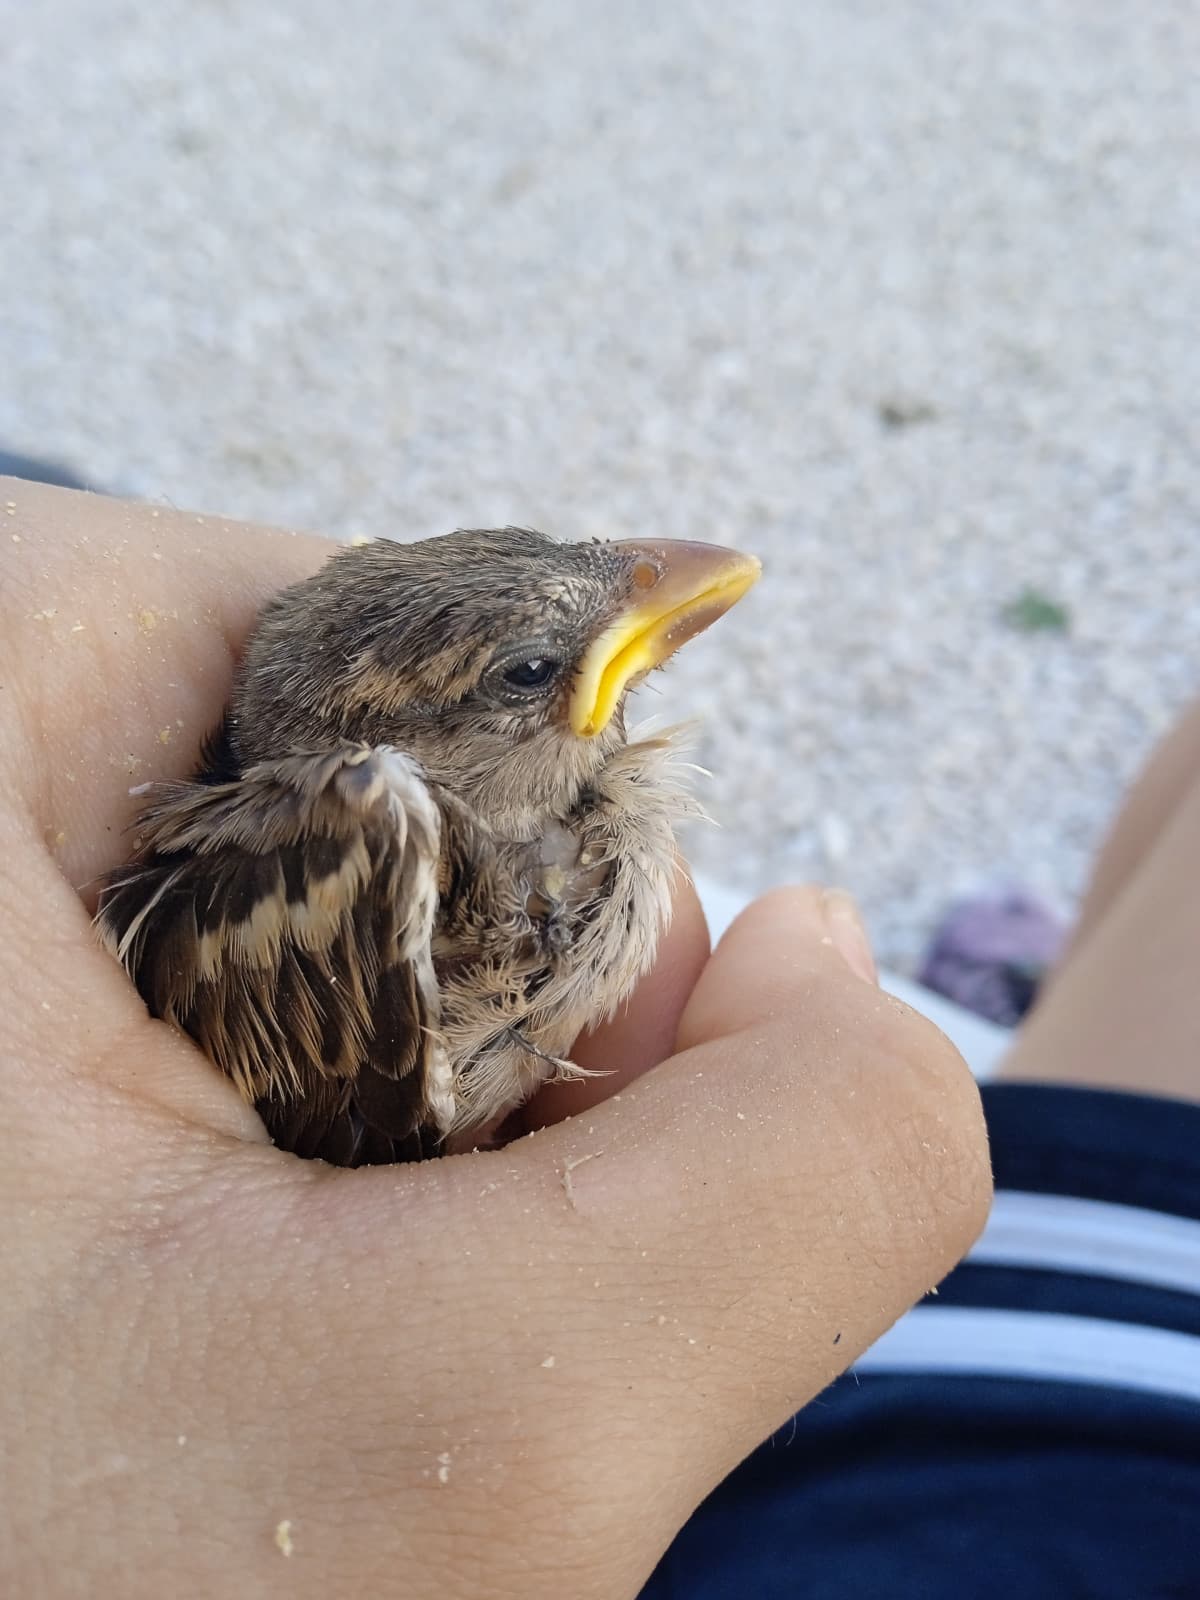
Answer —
535 673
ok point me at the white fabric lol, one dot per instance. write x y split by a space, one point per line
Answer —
1040 1345
1063 1234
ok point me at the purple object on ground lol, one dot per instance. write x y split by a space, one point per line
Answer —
991 953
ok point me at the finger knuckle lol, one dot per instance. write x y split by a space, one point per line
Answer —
935 1124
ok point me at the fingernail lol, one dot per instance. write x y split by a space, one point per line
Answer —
848 933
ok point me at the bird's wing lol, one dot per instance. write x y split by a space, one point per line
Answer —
284 921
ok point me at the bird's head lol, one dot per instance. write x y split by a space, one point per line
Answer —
498 658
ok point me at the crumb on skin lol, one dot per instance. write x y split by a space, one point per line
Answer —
283 1537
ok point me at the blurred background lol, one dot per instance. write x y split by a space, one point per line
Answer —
905 298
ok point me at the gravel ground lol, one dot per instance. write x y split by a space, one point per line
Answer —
904 298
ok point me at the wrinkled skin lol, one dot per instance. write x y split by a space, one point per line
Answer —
513 1373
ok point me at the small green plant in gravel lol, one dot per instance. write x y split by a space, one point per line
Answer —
1035 612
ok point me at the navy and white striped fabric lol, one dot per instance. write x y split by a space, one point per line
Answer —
1032 1430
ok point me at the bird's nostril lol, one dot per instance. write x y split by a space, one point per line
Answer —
645 575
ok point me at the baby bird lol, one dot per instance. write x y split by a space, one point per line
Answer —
421 855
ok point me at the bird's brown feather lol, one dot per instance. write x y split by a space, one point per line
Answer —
284 921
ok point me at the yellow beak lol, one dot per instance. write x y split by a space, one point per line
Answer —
680 587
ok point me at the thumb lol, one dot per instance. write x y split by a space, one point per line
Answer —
741 1222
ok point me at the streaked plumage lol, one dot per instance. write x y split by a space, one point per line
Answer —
420 855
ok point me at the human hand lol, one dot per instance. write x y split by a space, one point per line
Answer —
510 1373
